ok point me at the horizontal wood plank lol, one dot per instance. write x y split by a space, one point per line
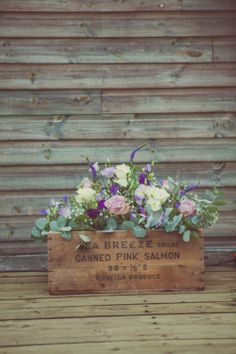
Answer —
64 177
169 101
174 346
105 51
113 25
18 228
82 127
184 326
43 102
32 202
189 150
89 6
214 5
123 76
113 5
224 49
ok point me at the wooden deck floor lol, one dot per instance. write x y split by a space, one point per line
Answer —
31 321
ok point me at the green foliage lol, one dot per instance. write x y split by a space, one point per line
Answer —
127 225
111 224
35 232
186 236
139 231
41 223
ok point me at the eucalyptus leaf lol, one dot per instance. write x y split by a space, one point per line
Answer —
182 228
41 223
85 238
127 225
54 226
35 232
111 224
65 228
186 236
66 235
61 221
139 231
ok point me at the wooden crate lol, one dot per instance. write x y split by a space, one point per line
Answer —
119 262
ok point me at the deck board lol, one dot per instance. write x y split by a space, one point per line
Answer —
32 321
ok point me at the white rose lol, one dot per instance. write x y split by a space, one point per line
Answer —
85 194
121 171
122 182
154 204
160 195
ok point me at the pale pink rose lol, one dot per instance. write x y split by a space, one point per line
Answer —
117 205
86 182
187 207
165 184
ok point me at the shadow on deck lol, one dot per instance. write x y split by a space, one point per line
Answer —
32 321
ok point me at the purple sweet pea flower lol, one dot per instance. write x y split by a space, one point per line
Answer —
65 211
108 172
142 179
134 152
190 187
148 168
101 204
66 199
114 188
92 213
44 212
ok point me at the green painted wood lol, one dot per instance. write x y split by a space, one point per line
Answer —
127 126
105 51
50 102
62 177
206 5
116 76
89 6
111 25
224 49
169 101
75 152
18 228
30 203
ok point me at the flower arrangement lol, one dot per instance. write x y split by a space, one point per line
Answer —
127 197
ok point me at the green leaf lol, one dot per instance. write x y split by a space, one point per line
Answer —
35 232
168 211
148 209
61 221
44 233
111 224
41 223
53 226
65 228
195 234
195 219
219 202
186 236
209 195
127 225
139 231
182 228
85 238
66 235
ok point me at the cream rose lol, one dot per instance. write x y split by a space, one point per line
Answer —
85 194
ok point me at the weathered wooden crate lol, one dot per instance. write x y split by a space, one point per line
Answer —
118 262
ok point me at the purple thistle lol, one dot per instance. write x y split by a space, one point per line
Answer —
142 179
101 204
132 155
44 212
92 213
114 188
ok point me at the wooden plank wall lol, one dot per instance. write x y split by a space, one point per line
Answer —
95 78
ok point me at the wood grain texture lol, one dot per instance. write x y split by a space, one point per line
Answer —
224 49
89 6
51 102
205 5
125 126
189 150
105 51
115 76
67 177
113 25
169 101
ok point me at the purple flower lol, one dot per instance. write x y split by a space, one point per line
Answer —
138 198
101 204
190 187
134 152
93 168
92 213
142 179
177 204
108 172
65 212
66 199
142 210
44 212
161 220
114 188
132 216
148 168
182 193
